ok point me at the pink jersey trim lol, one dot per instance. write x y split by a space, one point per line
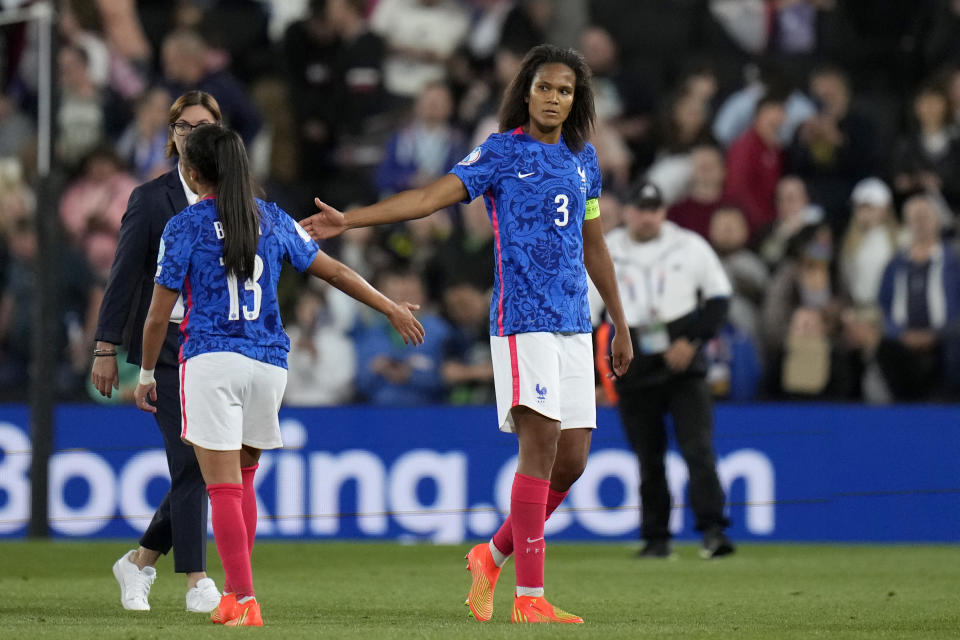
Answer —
496 234
514 369
516 132
187 307
183 400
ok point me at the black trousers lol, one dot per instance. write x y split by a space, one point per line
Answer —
642 410
181 519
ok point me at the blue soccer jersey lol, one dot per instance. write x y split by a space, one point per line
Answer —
222 314
536 196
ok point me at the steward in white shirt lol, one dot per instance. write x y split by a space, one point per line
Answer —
675 297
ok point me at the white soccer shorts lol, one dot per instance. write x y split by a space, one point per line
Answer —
228 399
551 373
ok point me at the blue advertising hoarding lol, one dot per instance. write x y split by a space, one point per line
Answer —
443 474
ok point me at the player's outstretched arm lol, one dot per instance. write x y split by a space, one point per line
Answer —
406 205
599 266
352 283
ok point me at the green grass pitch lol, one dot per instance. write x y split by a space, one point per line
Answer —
380 590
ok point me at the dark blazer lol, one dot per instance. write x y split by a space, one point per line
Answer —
130 288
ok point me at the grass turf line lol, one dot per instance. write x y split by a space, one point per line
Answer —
65 589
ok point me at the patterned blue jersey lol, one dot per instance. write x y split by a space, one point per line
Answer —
535 195
222 314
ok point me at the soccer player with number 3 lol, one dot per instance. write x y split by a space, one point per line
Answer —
224 254
540 182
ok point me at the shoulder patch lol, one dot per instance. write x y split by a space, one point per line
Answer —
472 157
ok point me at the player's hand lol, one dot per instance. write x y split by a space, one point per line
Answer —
325 223
621 352
403 320
104 375
679 355
143 392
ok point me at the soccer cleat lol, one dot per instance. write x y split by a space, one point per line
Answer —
485 573
226 609
247 615
204 597
134 583
537 609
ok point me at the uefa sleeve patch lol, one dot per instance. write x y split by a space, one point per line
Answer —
592 209
472 157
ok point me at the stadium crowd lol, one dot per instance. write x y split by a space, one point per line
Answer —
814 143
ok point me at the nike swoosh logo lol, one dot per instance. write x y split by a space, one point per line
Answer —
525 175
529 541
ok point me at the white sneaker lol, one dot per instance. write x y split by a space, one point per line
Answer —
134 583
204 597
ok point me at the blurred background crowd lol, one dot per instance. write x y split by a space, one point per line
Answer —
814 143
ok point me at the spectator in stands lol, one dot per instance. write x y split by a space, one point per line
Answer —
835 148
927 158
705 193
322 361
97 199
143 146
920 298
467 367
81 121
388 374
747 274
421 36
309 50
736 112
686 125
424 149
185 67
755 164
800 320
361 109
794 212
869 243
466 255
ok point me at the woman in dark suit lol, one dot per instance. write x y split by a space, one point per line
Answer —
181 520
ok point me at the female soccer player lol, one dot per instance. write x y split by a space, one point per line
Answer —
224 254
540 181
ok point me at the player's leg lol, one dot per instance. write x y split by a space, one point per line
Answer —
691 406
187 497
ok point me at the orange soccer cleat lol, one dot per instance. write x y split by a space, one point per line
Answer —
534 609
485 573
247 615
226 610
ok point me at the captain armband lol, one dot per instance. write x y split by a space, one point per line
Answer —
592 209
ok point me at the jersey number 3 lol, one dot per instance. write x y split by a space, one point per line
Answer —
562 201
249 285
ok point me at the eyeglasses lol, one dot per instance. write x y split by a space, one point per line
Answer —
183 128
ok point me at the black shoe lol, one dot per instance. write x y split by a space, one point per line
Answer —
655 549
716 545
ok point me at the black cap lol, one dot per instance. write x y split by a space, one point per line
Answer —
647 195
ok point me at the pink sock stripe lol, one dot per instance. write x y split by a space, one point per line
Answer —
226 488
554 498
253 469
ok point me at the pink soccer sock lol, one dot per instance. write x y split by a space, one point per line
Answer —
230 534
528 506
249 504
503 538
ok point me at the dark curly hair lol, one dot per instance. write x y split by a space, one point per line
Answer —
515 112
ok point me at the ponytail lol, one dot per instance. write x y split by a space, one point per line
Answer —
219 157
